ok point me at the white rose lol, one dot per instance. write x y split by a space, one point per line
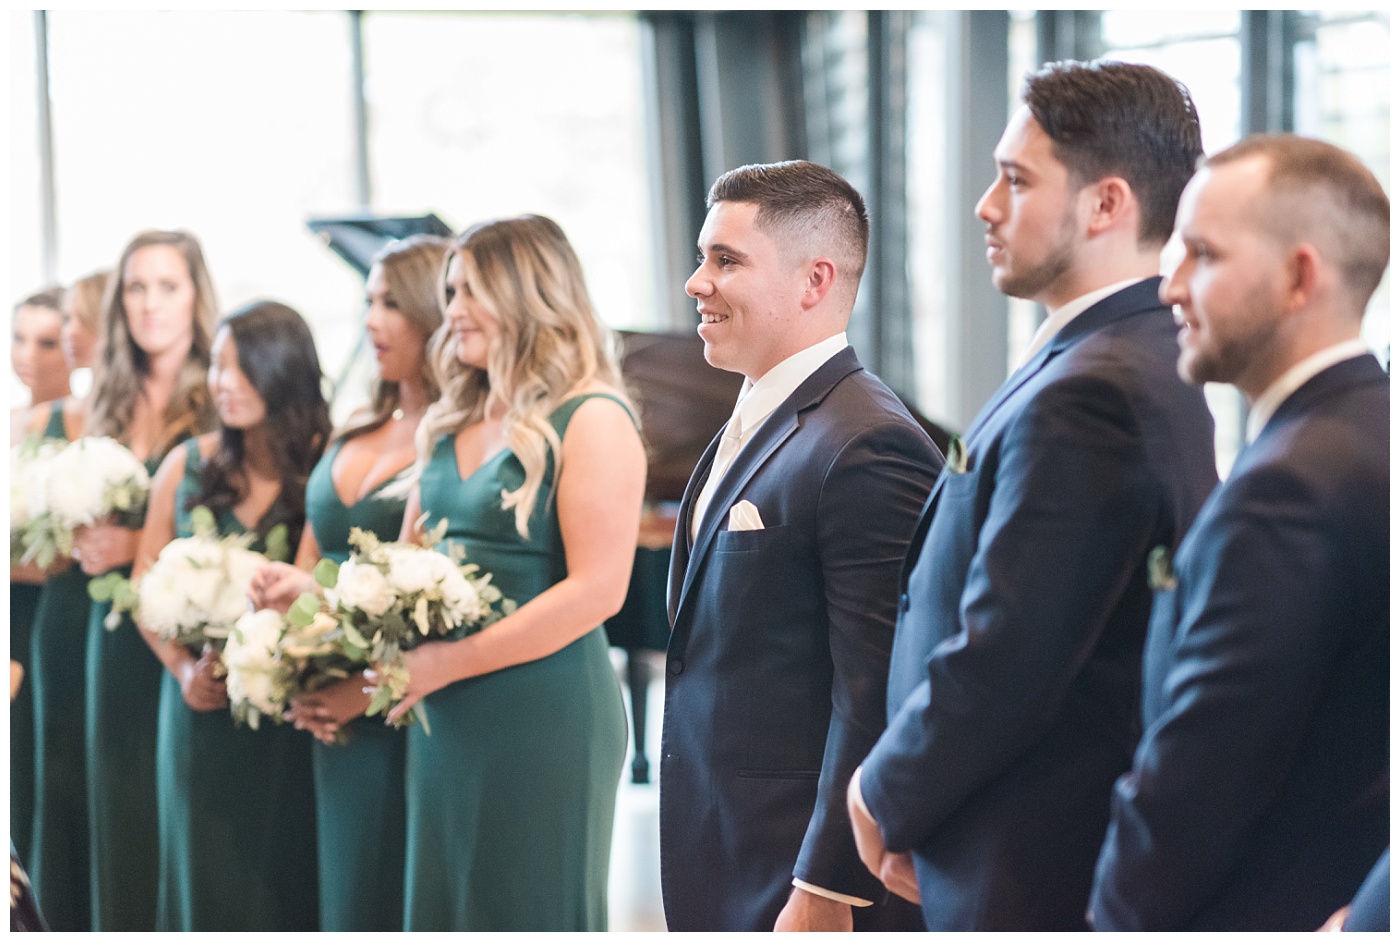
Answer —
162 600
461 598
410 570
362 586
254 641
256 675
71 492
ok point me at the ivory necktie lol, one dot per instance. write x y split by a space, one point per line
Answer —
729 444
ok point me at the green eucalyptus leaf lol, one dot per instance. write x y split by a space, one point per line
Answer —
325 573
304 610
278 549
203 523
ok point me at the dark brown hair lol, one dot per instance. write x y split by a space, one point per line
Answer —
803 201
1120 119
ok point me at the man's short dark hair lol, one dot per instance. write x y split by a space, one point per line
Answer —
802 201
1119 119
1319 193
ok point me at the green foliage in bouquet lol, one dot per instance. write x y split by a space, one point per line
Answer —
390 597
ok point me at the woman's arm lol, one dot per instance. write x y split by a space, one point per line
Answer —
202 690
601 478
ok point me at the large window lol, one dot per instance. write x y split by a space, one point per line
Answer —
1342 64
239 126
477 116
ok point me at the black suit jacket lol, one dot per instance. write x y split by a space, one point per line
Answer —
776 669
1259 796
1015 675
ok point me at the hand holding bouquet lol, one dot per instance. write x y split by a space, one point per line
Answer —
389 597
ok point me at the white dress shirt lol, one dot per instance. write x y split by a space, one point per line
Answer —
1061 316
1293 378
757 401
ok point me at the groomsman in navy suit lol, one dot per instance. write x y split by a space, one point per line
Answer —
785 572
1015 675
1259 797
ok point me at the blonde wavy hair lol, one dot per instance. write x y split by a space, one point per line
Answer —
122 366
524 272
85 296
413 269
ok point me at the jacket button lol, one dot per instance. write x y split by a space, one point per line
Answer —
675 666
904 601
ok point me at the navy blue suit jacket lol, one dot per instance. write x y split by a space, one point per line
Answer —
1259 796
780 643
1015 676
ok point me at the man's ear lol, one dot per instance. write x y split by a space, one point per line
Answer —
821 277
1111 201
1304 270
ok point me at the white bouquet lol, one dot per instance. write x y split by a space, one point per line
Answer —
79 485
195 590
259 681
388 597
27 461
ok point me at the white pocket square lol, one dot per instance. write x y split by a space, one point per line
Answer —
744 516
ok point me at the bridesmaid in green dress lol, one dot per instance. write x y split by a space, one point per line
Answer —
533 458
236 809
150 394
360 784
58 857
37 359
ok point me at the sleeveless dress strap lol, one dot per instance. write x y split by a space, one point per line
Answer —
55 427
561 416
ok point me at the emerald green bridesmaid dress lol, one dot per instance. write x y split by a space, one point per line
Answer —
359 785
58 861
511 797
123 698
236 807
24 601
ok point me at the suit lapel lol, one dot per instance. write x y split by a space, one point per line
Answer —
681 543
779 426
1133 299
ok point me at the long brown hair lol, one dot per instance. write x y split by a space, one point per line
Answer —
278 357
412 269
123 366
551 342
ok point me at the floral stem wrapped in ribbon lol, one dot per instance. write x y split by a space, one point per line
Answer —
389 597
78 484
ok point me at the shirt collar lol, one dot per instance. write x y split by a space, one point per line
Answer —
1293 378
1060 316
757 401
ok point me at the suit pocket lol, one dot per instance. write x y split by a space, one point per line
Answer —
748 541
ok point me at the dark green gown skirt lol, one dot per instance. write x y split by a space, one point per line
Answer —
24 599
511 797
359 785
123 697
58 864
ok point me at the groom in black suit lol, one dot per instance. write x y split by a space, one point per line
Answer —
1015 674
785 572
1260 795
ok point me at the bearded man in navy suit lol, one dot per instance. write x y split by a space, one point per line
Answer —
784 573
1260 796
1015 674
